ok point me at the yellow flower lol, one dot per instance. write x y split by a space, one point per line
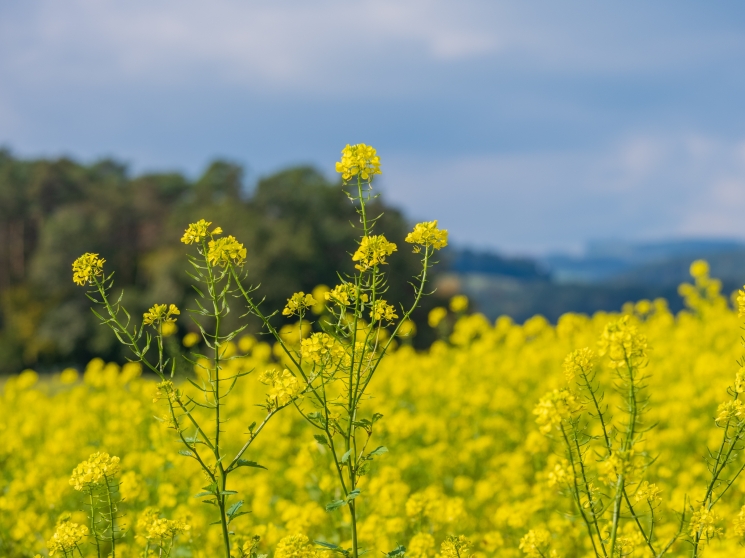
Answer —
436 315
295 546
344 294
86 267
226 250
285 386
66 538
459 303
381 310
427 234
729 410
703 524
648 493
535 543
578 362
455 547
739 523
623 343
96 470
196 232
358 160
320 348
741 302
699 268
372 251
421 545
298 304
151 526
554 407
161 314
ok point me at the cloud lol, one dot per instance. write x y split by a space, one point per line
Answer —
642 187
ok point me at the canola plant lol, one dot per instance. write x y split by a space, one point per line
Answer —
603 436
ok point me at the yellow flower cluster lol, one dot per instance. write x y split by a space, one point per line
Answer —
161 314
381 310
86 267
151 526
358 160
321 348
296 546
427 234
578 362
648 492
455 547
372 251
623 343
94 471
555 407
284 386
66 538
344 295
704 524
195 233
298 304
226 250
739 523
730 410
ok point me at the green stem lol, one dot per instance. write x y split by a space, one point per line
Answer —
112 517
94 532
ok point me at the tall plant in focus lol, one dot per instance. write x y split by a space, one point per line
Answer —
326 368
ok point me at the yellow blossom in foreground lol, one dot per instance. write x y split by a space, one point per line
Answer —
95 471
381 310
226 250
161 314
298 304
284 386
66 538
623 344
648 492
703 525
321 348
358 160
86 267
372 251
427 234
196 232
729 410
578 362
421 545
555 407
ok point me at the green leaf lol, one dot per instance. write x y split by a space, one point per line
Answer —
186 453
345 457
245 463
234 508
380 450
353 494
201 494
332 546
228 492
321 439
336 504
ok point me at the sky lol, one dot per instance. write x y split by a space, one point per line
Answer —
523 126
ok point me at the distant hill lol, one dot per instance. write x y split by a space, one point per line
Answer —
607 276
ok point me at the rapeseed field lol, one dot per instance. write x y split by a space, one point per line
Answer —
607 435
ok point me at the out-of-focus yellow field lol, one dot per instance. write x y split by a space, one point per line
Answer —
465 455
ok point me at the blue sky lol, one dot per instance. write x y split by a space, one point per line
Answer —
523 126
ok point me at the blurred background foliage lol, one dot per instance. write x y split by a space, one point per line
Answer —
296 225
